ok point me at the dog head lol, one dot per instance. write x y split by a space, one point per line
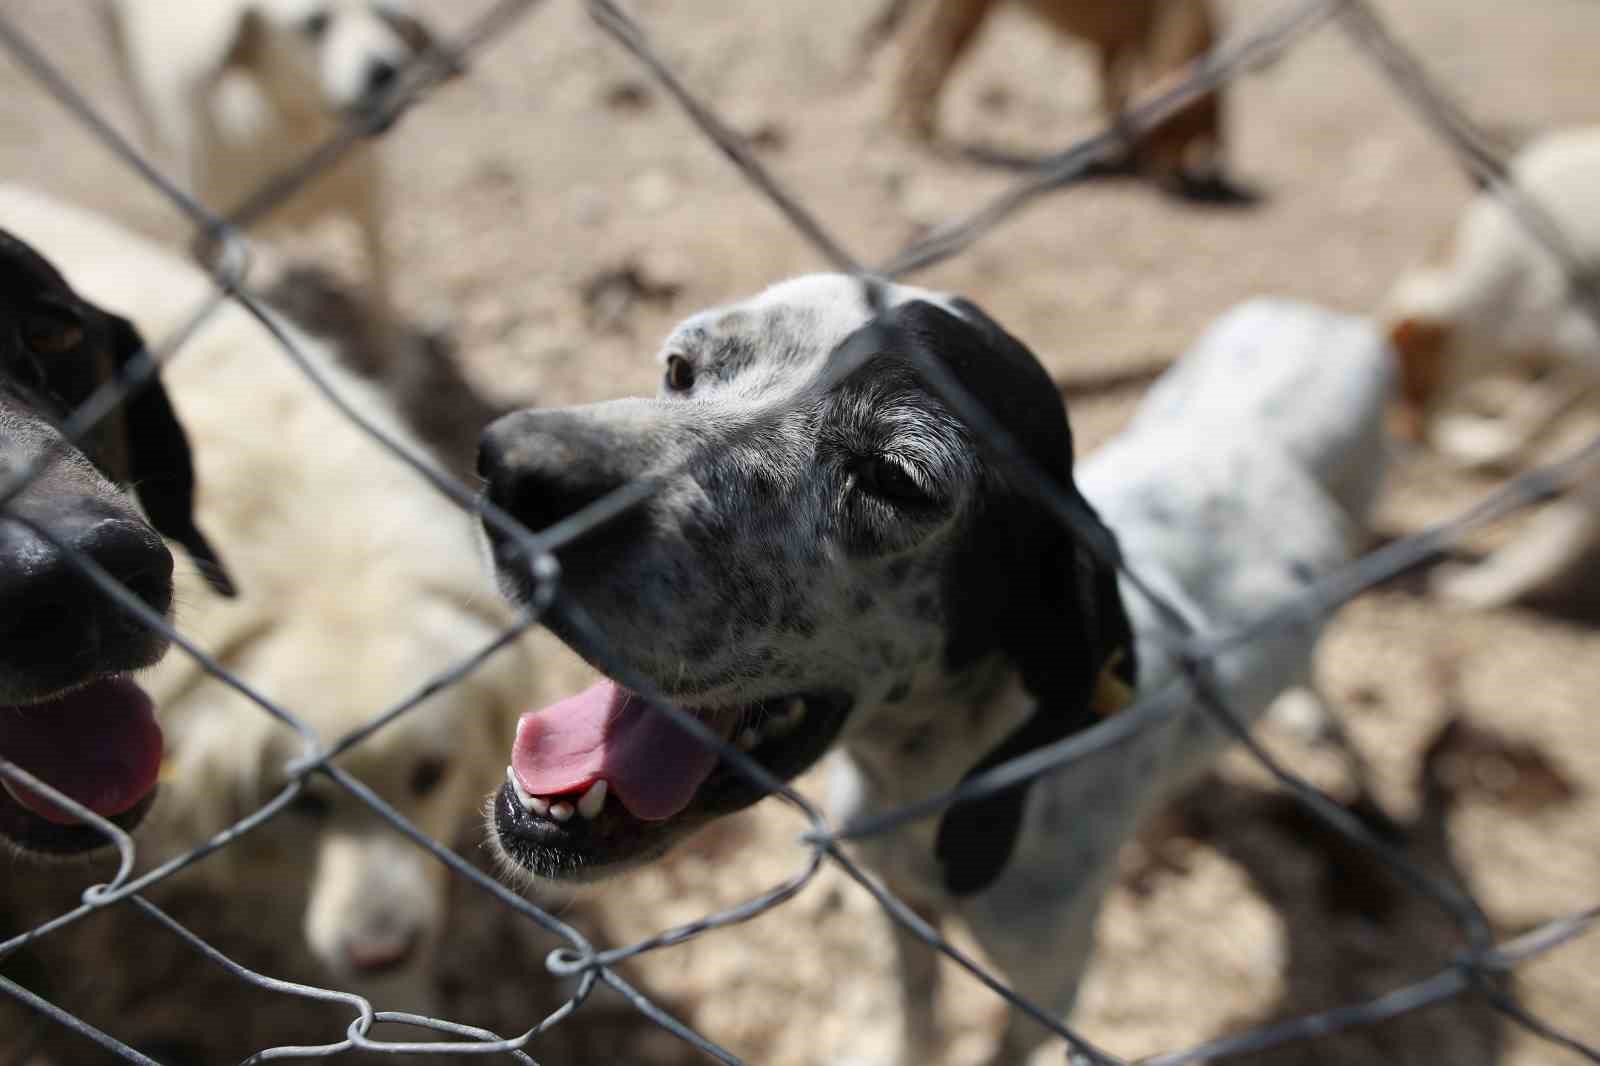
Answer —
67 714
336 56
368 904
831 553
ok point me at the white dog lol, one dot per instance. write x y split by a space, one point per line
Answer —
1499 302
243 90
357 581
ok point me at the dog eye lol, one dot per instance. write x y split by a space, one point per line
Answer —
889 481
680 373
316 24
309 804
52 332
428 775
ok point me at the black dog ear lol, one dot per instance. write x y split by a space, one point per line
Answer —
1059 616
1023 585
159 463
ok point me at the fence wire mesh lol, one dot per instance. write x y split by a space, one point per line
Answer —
1477 970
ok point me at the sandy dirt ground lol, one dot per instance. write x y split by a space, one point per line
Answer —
560 214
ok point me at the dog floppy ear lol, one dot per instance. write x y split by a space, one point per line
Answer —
160 467
1421 349
1022 585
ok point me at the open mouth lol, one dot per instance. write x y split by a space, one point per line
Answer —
603 778
98 744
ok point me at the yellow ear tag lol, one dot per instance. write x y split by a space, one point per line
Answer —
1111 693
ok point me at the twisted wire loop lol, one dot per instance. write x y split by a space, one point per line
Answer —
1196 645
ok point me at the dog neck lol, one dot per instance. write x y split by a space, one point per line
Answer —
922 742
930 749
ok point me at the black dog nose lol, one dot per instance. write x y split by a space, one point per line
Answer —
54 620
380 75
541 466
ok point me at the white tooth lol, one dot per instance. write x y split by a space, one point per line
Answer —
523 798
748 738
593 800
561 810
539 805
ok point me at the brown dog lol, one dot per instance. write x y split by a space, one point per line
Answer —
1140 44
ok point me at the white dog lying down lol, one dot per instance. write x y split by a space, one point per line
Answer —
847 561
1500 302
242 90
357 582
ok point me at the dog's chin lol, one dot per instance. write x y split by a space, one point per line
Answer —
582 849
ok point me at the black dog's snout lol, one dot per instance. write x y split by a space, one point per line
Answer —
53 619
133 555
542 466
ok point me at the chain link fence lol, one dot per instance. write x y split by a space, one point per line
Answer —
1478 970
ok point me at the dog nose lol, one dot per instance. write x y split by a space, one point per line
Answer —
541 466
380 956
380 75
49 605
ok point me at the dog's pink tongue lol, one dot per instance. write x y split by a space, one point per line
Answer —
99 744
607 732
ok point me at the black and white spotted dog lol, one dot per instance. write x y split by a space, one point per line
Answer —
841 560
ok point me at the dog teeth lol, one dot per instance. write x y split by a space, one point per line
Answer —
537 804
593 801
590 804
516 786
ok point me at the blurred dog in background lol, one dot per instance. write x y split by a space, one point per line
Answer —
243 90
358 583
1139 44
1497 303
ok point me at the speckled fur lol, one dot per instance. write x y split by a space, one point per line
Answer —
764 567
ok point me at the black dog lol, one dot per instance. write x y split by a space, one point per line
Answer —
68 715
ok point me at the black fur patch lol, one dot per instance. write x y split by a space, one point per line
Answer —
1020 585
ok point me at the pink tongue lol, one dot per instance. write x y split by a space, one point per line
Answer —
607 732
100 745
